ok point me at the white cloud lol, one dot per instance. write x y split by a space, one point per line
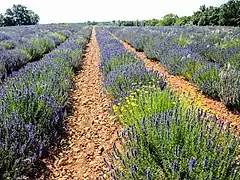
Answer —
53 11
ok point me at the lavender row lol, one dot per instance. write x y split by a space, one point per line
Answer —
165 137
31 49
16 32
11 37
11 44
123 71
121 68
203 56
175 145
32 105
211 43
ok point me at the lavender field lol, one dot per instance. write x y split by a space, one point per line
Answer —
162 134
37 66
168 136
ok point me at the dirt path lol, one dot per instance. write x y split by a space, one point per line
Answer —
181 86
91 132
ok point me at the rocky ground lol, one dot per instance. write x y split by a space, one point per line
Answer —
91 132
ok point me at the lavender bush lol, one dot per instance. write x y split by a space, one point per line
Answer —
165 136
230 87
176 145
191 52
121 68
32 103
31 43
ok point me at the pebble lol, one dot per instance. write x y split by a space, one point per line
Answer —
89 130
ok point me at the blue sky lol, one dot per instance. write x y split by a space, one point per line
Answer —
53 11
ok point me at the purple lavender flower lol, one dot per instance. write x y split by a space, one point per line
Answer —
175 166
148 174
213 164
127 155
123 162
209 144
205 166
176 151
134 167
132 175
143 125
156 123
192 163
163 148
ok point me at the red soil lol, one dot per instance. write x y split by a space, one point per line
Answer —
91 132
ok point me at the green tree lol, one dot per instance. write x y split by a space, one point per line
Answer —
151 22
127 23
209 16
227 14
213 15
196 17
19 15
9 18
168 20
137 23
230 13
183 21
1 20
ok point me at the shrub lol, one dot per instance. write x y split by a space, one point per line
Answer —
178 143
234 44
207 79
182 62
235 61
117 62
118 82
35 49
230 87
10 60
144 101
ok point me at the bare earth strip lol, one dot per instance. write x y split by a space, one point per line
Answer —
182 86
91 132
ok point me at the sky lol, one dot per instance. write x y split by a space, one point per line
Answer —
73 11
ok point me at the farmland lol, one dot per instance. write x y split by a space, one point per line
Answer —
34 97
119 102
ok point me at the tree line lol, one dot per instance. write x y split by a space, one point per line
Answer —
227 14
18 15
